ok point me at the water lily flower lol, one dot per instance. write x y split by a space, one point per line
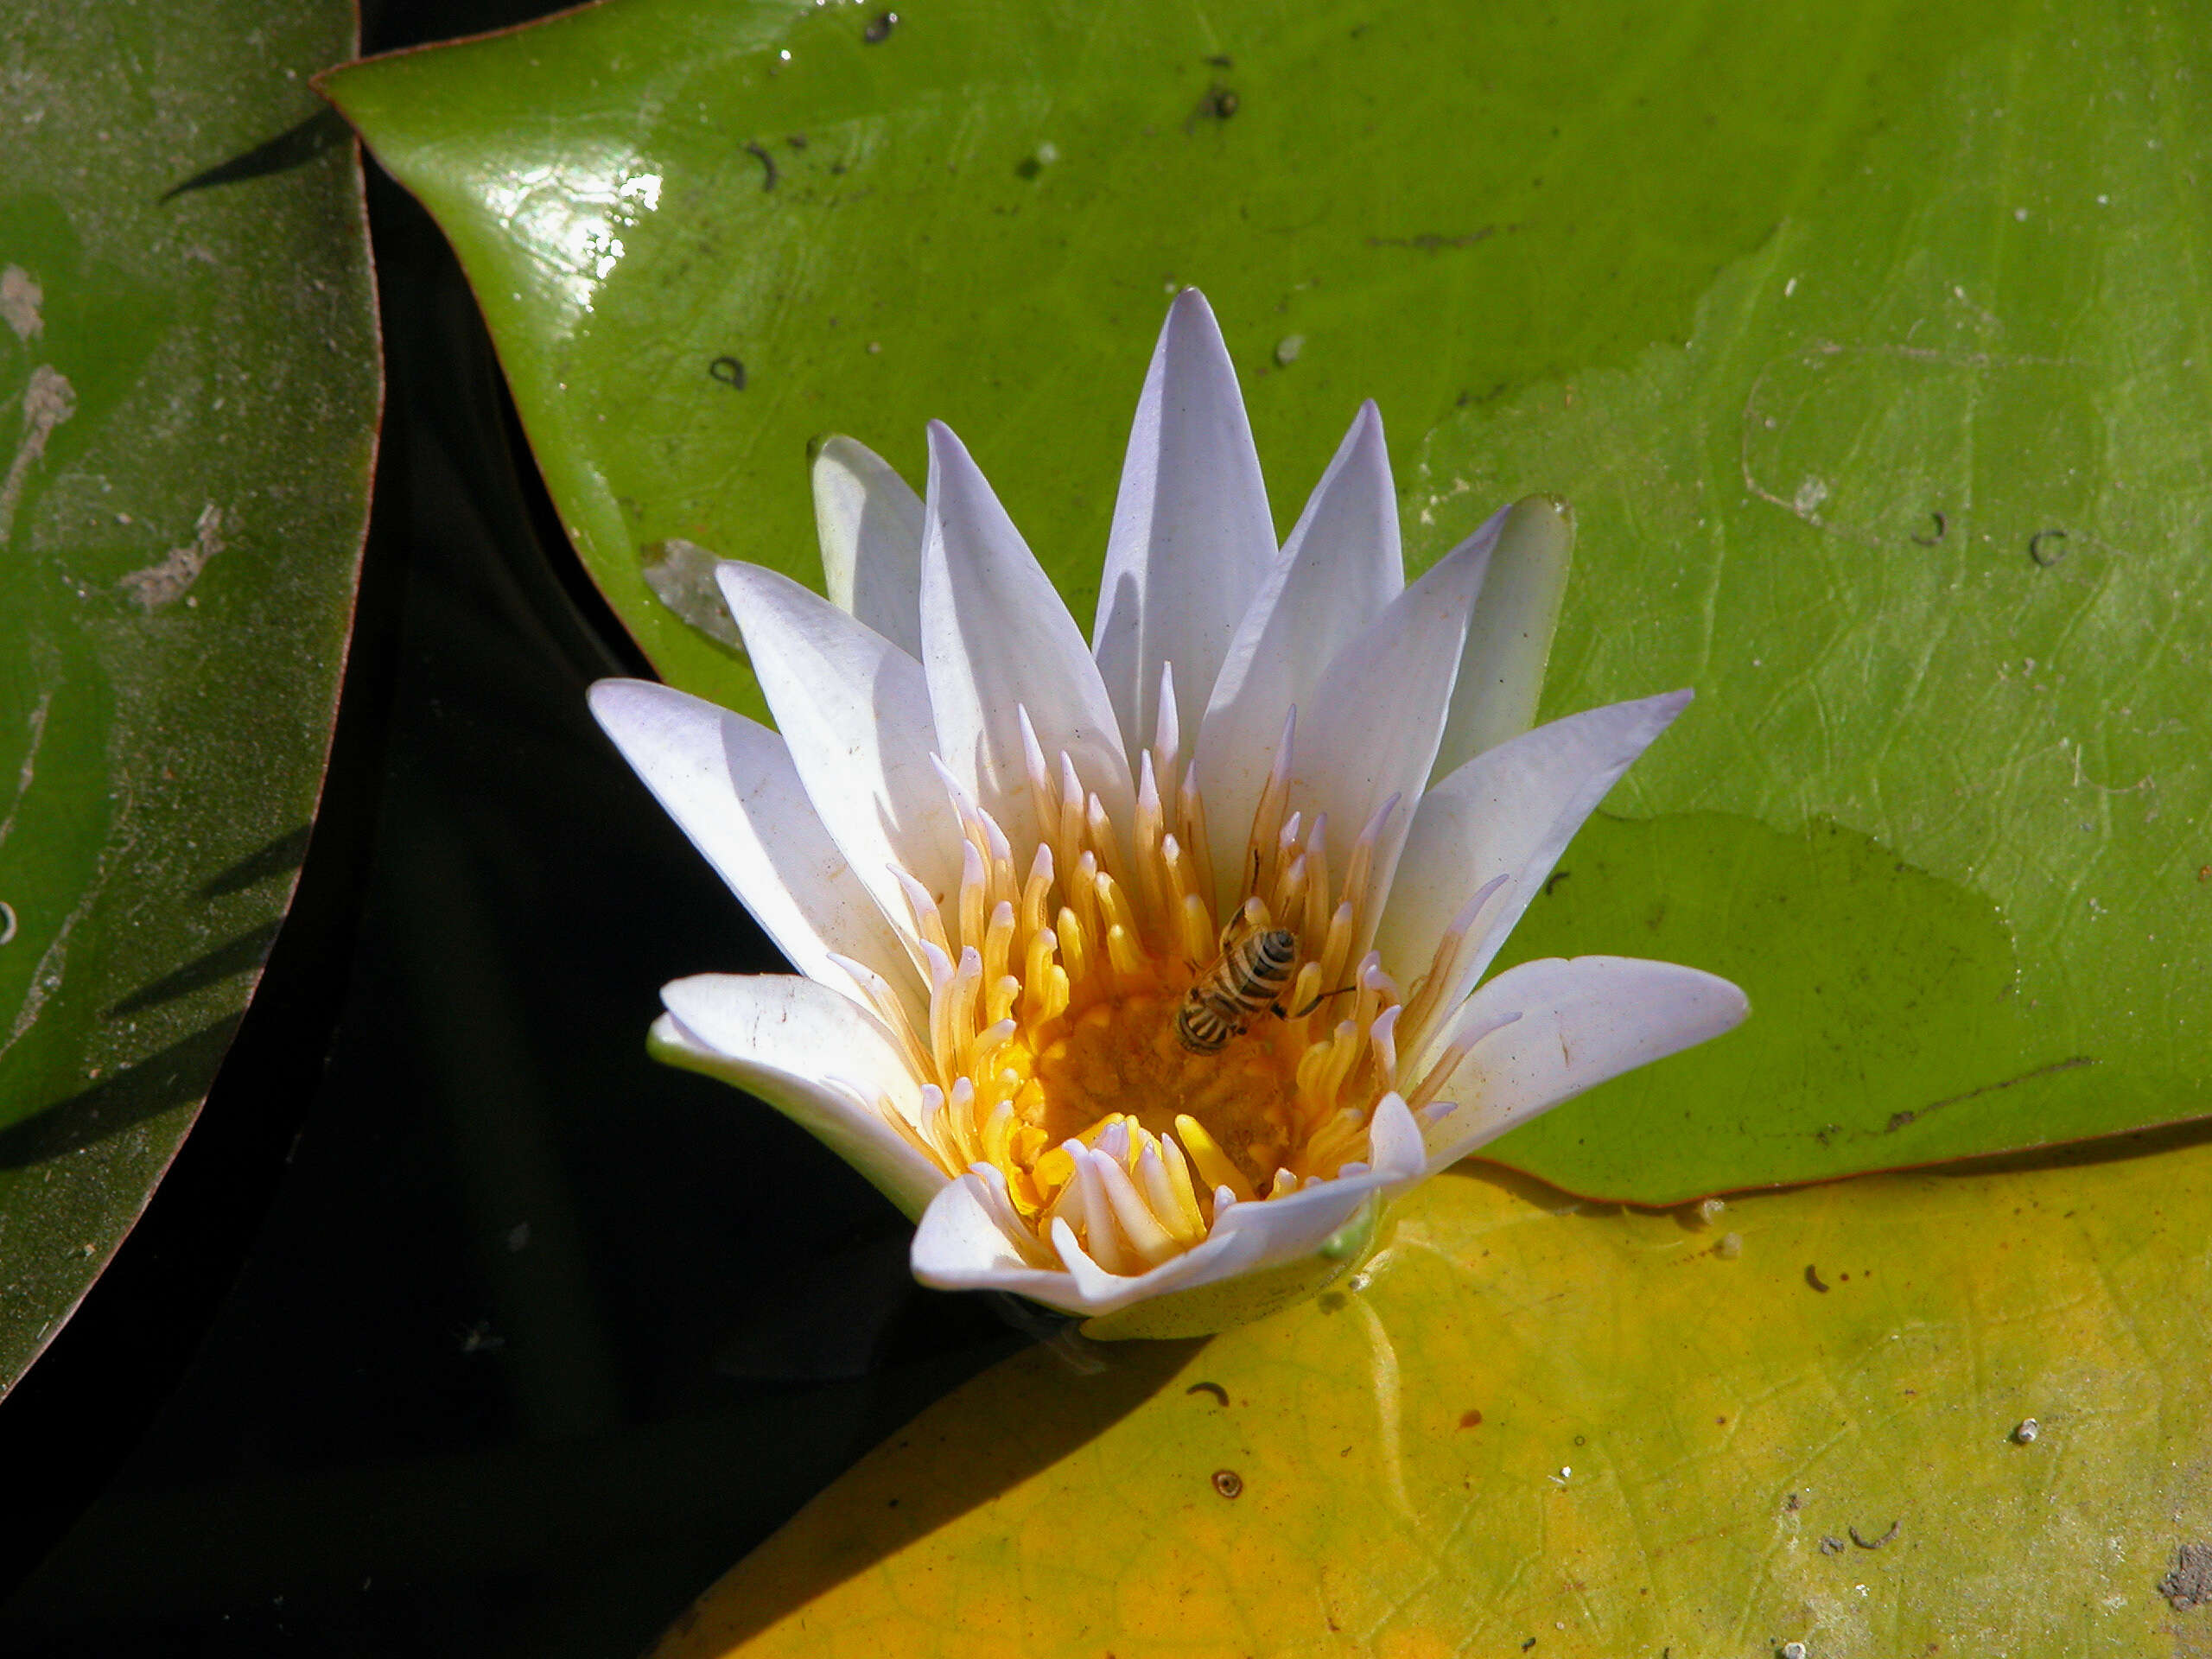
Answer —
1143 972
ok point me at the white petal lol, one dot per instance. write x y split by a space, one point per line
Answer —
1509 811
1192 538
1090 1290
1510 638
996 639
729 783
869 520
854 710
967 1251
962 1244
1378 713
1272 1230
1339 572
1581 1022
1399 1153
816 1057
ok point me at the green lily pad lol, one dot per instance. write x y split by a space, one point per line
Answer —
1764 290
191 389
1918 506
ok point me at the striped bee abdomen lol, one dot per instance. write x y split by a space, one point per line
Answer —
1253 969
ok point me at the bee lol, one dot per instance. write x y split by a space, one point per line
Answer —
1245 981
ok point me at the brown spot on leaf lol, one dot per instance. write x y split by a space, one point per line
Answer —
2191 1582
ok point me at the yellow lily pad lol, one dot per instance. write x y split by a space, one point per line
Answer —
1917 1414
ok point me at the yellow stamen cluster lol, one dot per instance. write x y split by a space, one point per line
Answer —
1051 1053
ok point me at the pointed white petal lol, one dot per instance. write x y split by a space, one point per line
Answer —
963 1243
1339 572
1091 1291
1272 1230
1191 537
815 1056
1510 638
1400 1154
1091 1288
1379 709
729 783
854 711
869 520
966 1249
996 639
1581 1022
1509 812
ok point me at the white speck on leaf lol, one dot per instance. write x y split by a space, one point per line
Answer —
164 583
20 299
47 402
36 728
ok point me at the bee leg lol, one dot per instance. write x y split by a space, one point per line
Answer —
1323 997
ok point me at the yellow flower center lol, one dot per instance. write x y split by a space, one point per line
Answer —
1126 1063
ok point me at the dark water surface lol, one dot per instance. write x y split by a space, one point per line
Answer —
460 1326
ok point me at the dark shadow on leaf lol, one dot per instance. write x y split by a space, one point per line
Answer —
2069 1155
1017 1418
242 955
296 147
2075 1154
1528 1188
175 1077
280 857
